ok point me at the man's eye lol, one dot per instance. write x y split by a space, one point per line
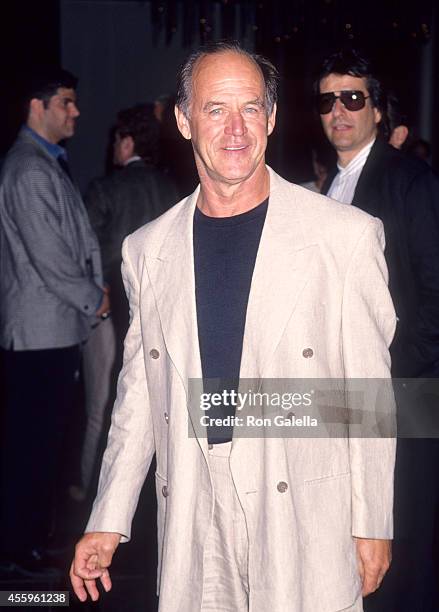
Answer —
251 110
215 112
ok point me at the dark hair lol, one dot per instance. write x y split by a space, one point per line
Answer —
44 82
140 123
184 82
394 115
349 61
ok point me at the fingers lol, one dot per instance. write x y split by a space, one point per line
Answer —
373 562
78 585
92 589
371 583
106 580
93 556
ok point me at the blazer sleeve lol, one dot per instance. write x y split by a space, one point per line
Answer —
35 208
130 446
99 212
368 325
419 354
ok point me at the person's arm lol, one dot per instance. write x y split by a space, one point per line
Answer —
35 208
126 460
368 325
100 199
97 207
419 353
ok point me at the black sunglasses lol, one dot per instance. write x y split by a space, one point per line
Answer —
352 100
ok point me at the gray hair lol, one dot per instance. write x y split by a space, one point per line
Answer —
184 79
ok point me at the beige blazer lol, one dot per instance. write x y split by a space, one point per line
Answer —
320 283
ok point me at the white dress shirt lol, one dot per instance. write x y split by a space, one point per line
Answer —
344 184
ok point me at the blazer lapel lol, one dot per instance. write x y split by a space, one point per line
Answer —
282 269
328 181
172 277
365 191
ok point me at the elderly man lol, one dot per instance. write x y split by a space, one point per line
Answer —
250 277
51 292
404 193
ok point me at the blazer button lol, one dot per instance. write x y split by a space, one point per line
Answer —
165 491
154 353
307 353
166 417
282 486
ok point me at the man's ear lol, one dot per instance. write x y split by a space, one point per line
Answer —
182 123
127 145
398 136
377 115
271 120
36 107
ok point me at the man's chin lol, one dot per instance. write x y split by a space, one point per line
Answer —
236 177
342 145
235 174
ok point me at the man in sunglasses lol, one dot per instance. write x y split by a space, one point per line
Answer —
404 194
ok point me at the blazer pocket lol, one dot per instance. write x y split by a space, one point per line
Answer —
328 502
322 479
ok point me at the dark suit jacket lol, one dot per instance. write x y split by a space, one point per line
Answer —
404 193
118 205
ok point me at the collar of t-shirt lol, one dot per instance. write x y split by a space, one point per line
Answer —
55 150
343 186
219 222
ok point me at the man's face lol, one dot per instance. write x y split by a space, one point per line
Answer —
228 121
58 119
348 131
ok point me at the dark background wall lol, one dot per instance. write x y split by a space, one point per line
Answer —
29 35
126 52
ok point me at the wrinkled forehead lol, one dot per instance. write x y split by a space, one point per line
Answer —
226 71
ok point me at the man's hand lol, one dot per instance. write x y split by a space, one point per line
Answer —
374 557
104 309
93 555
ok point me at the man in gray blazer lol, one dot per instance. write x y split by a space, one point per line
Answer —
250 277
51 291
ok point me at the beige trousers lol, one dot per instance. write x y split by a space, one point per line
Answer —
225 587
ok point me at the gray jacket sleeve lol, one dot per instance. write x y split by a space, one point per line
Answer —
42 220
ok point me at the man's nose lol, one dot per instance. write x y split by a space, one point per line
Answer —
74 111
236 125
338 107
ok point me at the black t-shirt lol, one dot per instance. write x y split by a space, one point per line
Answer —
225 250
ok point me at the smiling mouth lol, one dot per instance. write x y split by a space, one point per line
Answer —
240 148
